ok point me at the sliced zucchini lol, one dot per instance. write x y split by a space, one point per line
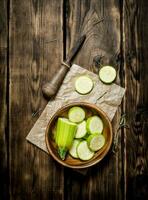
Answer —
73 149
81 130
94 125
83 151
76 114
107 74
83 85
96 141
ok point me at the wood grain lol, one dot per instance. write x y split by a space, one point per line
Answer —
41 32
135 29
100 21
4 183
35 53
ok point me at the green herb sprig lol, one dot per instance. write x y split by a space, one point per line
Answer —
122 124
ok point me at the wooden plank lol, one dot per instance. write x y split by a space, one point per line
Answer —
35 53
101 22
136 100
4 183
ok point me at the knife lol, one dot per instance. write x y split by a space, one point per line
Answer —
50 88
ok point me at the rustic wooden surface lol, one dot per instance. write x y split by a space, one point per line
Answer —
35 36
4 128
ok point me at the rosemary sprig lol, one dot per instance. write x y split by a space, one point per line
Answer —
122 124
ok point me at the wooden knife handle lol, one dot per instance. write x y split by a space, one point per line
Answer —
51 88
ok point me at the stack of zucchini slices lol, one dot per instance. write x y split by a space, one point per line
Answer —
86 139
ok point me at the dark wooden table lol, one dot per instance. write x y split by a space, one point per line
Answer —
35 36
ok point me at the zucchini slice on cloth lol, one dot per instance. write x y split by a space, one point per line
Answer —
107 74
83 85
65 134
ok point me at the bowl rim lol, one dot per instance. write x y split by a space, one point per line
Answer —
81 103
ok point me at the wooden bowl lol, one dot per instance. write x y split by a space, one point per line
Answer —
70 162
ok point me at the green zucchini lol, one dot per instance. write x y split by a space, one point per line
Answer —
81 130
65 134
107 74
73 149
96 141
83 151
94 125
76 114
83 85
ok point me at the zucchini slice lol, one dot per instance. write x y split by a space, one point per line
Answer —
83 151
76 114
83 85
73 149
96 141
81 130
94 125
107 74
